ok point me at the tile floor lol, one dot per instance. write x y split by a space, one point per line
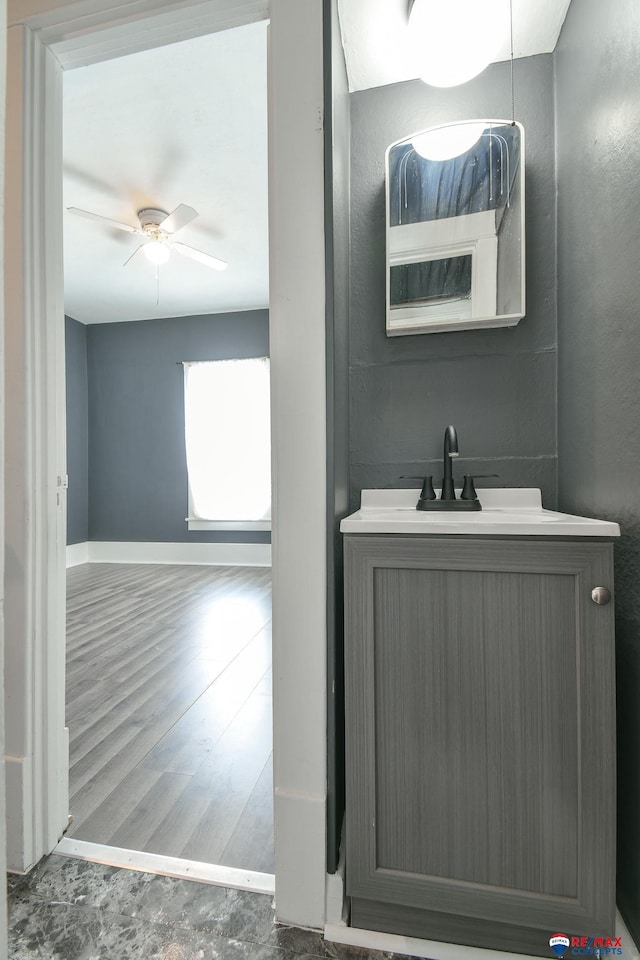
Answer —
68 909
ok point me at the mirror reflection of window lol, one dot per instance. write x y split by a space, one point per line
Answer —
455 228
431 281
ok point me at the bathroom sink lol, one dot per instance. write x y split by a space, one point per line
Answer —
505 512
488 515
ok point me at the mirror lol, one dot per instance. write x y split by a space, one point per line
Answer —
455 228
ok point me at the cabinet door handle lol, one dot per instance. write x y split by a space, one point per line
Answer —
600 595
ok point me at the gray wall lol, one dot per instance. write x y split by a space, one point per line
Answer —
598 82
137 463
498 387
77 431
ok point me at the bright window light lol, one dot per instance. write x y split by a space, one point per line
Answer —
228 443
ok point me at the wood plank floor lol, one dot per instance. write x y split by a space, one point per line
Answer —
169 710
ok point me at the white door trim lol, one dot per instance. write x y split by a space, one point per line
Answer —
40 29
88 31
36 745
299 442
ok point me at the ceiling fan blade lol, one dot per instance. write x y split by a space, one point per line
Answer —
96 216
135 253
198 256
178 218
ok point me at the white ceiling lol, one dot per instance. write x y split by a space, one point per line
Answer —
187 123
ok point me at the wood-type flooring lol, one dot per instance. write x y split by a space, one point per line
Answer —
169 710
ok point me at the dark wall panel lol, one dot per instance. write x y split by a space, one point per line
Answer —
77 431
598 104
498 387
137 462
337 267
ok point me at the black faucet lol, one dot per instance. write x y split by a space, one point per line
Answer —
450 451
448 500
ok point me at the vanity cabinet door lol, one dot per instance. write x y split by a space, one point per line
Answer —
480 739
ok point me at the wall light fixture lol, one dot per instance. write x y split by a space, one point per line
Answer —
454 40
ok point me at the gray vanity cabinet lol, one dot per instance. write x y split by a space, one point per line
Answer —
480 739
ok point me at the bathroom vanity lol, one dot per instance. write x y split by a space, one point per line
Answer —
480 715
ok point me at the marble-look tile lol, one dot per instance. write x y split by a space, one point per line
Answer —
75 881
60 931
71 909
14 880
345 952
63 931
227 912
310 943
238 914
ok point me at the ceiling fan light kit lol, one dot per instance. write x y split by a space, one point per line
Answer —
156 251
158 228
151 217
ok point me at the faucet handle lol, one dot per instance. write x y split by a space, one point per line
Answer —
427 492
469 489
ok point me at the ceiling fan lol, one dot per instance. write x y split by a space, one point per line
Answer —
158 229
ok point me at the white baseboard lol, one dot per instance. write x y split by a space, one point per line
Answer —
220 554
335 903
629 949
77 553
167 866
412 946
336 908
436 950
299 821
18 790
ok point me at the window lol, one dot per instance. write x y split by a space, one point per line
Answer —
228 444
442 270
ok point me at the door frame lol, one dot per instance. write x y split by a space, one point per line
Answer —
44 37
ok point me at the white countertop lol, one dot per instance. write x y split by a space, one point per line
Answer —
505 512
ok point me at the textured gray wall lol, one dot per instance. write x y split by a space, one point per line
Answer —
498 387
137 462
77 431
598 83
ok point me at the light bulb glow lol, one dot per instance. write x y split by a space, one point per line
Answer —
444 143
156 252
456 40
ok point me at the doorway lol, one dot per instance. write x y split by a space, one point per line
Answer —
38 43
155 696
